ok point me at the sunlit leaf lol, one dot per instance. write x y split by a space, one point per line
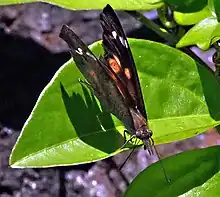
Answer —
97 4
67 127
203 34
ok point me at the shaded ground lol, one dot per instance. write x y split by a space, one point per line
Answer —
31 53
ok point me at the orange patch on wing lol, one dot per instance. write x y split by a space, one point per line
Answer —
114 78
117 60
127 73
115 64
93 74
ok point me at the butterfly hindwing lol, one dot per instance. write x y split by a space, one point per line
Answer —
119 57
113 97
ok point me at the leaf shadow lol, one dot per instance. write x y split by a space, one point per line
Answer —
93 126
211 90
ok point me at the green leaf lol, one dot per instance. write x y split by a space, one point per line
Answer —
210 188
67 127
216 5
195 172
187 6
193 17
203 34
97 4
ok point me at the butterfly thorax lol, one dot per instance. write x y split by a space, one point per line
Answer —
140 127
143 133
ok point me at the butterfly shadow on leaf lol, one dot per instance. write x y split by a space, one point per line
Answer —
93 126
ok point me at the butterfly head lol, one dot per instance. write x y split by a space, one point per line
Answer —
145 134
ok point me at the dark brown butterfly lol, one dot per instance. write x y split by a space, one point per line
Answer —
113 78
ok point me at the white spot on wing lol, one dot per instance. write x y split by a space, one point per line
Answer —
114 34
79 51
126 44
90 55
123 42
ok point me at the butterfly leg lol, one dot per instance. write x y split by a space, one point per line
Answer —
127 141
130 140
149 146
125 131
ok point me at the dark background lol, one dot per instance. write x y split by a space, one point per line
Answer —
31 52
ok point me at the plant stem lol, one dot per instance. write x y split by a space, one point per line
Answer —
165 17
172 39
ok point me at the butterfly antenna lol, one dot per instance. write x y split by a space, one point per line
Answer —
161 163
122 165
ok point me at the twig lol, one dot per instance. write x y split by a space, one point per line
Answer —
172 39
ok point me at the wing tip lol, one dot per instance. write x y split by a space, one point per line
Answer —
68 35
107 9
64 31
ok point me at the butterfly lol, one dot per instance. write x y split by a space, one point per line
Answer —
113 77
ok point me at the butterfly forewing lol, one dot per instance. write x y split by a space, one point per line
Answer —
98 75
113 77
118 55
